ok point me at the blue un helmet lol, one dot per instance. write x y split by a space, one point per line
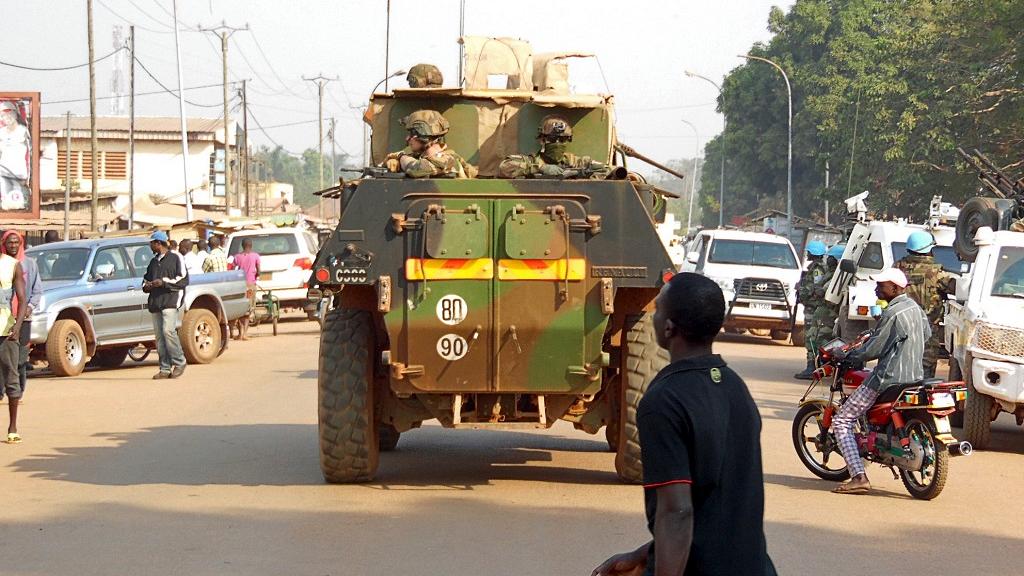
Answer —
816 248
920 242
837 251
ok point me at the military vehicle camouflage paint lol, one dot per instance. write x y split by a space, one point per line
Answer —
487 303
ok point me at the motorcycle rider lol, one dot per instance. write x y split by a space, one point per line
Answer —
929 285
898 344
805 295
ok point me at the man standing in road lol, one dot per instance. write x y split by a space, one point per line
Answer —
814 275
217 260
13 304
898 344
165 281
193 260
701 449
927 284
249 262
14 246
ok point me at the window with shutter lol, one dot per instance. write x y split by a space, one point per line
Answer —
115 165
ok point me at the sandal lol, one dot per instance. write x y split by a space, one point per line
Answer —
851 489
13 438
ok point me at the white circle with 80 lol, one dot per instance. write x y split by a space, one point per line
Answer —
452 309
452 347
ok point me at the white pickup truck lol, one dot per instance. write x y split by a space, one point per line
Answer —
985 333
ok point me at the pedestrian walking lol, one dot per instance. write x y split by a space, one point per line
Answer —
14 246
249 262
217 260
165 281
701 450
13 303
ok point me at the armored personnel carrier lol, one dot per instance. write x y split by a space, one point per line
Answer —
489 303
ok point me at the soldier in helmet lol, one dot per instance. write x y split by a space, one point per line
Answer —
928 285
825 315
424 76
806 295
427 156
552 161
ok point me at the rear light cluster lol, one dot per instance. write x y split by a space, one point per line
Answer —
303 263
863 310
322 275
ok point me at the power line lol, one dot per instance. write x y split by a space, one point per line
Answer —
271 66
169 13
139 26
148 15
299 123
60 68
172 92
136 94
269 137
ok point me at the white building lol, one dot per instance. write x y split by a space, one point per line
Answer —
158 165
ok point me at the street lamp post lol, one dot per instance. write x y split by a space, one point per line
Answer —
366 136
725 126
693 176
789 162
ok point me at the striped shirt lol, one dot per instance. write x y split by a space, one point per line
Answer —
898 344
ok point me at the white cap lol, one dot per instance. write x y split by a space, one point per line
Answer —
894 275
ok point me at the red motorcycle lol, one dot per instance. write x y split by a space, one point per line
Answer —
907 428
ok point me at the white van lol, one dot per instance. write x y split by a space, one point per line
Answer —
286 262
758 274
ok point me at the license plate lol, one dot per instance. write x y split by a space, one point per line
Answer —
757 306
266 276
942 401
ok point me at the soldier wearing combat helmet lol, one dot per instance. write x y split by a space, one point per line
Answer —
928 286
424 76
807 296
427 156
552 161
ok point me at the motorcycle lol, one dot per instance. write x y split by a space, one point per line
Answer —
907 428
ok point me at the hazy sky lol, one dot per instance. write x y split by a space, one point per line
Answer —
643 46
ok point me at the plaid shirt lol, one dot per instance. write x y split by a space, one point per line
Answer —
217 261
898 344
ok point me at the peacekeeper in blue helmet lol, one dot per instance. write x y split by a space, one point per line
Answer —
812 276
822 328
928 285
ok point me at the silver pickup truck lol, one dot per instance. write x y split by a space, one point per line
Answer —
93 306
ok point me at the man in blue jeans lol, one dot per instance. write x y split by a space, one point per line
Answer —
165 281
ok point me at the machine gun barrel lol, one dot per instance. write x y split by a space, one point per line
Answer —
991 176
629 151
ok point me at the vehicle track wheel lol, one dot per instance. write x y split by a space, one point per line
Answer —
642 360
65 348
928 482
200 336
349 443
816 446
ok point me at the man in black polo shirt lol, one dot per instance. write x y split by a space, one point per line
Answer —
165 281
700 442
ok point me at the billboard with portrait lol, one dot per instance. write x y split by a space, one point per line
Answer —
19 154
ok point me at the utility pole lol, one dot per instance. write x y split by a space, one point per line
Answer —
93 143
131 129
67 178
181 115
225 32
320 82
245 149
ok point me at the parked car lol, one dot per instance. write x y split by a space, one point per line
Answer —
758 274
93 307
286 262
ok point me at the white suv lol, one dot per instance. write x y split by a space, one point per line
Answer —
758 274
286 262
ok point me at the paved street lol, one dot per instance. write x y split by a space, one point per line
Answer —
216 473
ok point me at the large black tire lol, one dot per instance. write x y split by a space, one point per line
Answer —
974 214
349 440
66 348
779 335
977 416
387 437
642 360
933 487
799 336
800 444
956 418
110 357
200 336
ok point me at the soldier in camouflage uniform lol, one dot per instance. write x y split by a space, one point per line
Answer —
806 295
424 76
552 161
928 285
826 313
427 156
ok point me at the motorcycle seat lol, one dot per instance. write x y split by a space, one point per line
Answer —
891 393
931 381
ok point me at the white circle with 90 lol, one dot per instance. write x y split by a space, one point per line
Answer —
451 309
452 347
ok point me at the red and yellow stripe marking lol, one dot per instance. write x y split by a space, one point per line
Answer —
561 269
449 269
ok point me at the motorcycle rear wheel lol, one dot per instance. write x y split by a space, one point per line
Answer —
816 450
928 482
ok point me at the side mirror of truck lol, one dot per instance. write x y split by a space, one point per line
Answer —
692 257
848 266
963 288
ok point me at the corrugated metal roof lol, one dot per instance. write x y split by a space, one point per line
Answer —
146 128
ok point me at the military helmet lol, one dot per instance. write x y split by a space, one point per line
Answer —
426 124
920 242
816 248
424 76
554 126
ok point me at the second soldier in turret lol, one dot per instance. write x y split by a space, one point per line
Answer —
552 160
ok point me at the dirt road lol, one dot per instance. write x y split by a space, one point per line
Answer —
216 473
